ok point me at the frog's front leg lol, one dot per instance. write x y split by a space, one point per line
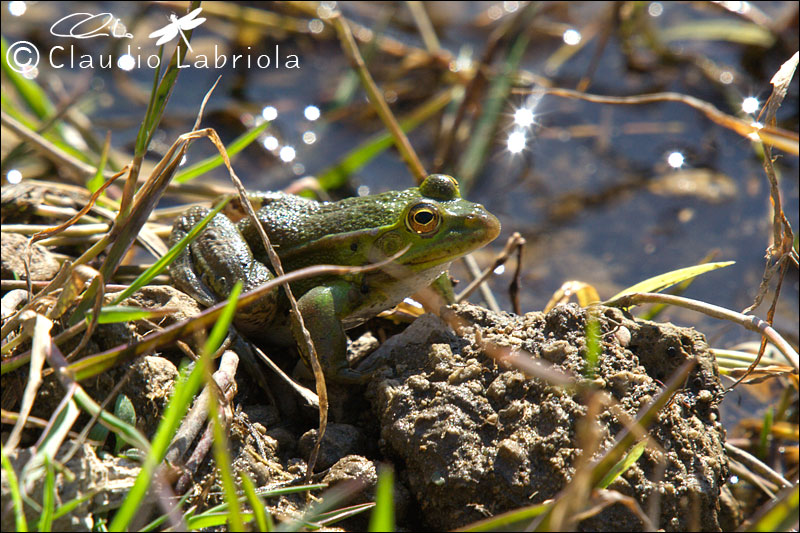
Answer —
323 308
219 257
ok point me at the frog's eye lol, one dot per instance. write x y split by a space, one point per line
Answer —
423 219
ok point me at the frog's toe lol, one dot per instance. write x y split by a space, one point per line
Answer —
350 376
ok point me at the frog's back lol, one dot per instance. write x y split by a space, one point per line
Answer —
292 222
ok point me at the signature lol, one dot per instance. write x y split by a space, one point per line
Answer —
88 26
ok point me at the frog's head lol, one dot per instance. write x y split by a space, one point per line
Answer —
436 224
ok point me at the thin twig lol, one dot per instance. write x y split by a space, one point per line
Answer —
424 26
756 465
486 291
50 150
782 245
750 322
783 139
516 240
376 98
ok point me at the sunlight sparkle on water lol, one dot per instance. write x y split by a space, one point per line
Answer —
14 176
516 142
287 154
753 136
316 26
413 303
738 7
675 160
750 105
312 112
655 9
126 62
269 113
29 72
271 143
523 117
572 37
17 8
500 269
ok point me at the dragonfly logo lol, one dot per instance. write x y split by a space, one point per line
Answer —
176 27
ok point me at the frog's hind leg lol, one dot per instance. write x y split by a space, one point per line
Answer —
215 261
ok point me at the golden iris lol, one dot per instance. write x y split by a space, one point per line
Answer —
423 219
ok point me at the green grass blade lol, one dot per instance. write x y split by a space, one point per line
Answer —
267 493
65 508
221 456
506 521
766 430
263 518
331 517
98 179
62 420
623 464
593 347
126 313
663 281
482 137
185 390
733 31
163 518
16 496
210 520
33 95
646 416
142 138
382 518
122 429
654 310
783 514
220 329
12 108
210 163
176 409
48 501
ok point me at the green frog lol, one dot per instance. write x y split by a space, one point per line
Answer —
432 221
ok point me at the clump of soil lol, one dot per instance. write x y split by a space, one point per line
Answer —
476 438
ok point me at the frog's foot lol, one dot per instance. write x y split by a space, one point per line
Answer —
182 270
348 376
342 376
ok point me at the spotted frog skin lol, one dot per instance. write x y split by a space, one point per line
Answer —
432 220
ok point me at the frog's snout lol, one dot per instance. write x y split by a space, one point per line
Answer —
481 220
